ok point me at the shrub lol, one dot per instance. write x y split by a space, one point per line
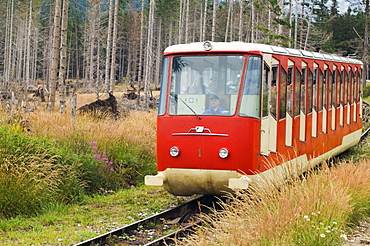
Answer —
366 92
116 165
32 175
131 161
121 153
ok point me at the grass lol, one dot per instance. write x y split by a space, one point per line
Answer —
68 159
68 165
70 224
64 181
316 210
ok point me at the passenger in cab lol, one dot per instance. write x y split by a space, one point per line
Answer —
215 108
197 87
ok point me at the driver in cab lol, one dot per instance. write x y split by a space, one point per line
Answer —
215 108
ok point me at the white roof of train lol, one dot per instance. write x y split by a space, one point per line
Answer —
245 47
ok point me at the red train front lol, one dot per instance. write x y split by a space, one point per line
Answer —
216 125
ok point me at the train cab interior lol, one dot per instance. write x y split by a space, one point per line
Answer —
197 80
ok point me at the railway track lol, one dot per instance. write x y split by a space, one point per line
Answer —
159 229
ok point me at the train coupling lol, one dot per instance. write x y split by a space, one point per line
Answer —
239 183
155 180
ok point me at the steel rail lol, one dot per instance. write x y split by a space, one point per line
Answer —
182 219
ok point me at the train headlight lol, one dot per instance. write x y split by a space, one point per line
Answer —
223 153
207 45
174 151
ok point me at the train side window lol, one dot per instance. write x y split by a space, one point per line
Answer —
321 91
163 91
250 102
265 89
357 83
283 93
350 88
339 90
360 89
310 91
303 90
297 92
353 84
273 92
343 90
314 90
289 85
330 89
325 88
347 87
342 95
334 88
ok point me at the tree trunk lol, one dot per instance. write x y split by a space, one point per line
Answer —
54 55
204 20
302 24
214 21
308 26
228 21
114 49
148 59
241 21
63 57
281 5
159 54
181 20
252 21
28 47
141 52
8 43
290 22
296 25
108 50
366 45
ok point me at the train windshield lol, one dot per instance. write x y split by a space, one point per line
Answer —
205 85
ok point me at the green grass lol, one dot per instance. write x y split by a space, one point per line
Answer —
70 224
37 172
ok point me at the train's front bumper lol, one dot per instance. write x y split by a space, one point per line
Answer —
184 182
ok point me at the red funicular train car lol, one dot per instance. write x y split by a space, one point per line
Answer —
229 110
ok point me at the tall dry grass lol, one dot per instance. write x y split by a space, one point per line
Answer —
94 155
138 127
29 183
313 211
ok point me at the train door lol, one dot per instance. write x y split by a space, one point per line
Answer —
334 89
315 100
289 105
324 91
303 111
348 95
272 118
354 93
341 96
265 126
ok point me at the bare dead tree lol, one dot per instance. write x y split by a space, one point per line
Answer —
148 57
114 48
214 21
366 45
63 57
108 49
55 55
8 43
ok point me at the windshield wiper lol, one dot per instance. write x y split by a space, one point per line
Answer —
175 96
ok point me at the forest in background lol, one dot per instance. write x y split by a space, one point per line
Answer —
95 44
